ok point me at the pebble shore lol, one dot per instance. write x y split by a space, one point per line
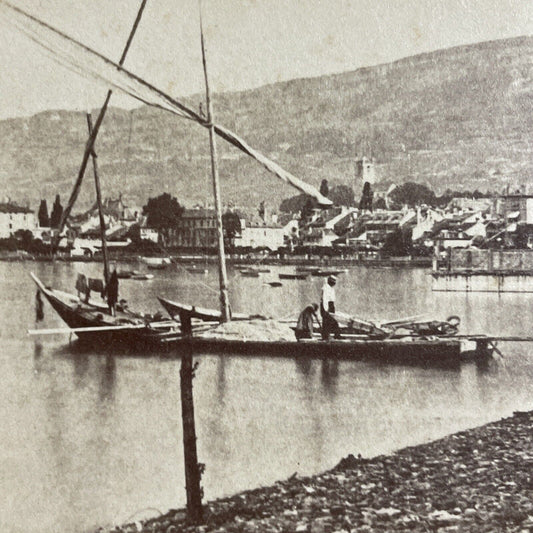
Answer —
479 480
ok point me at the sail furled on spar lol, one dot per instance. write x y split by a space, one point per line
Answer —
87 62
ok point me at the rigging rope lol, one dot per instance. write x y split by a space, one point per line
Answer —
81 58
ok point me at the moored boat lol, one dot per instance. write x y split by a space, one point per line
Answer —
94 323
324 272
296 275
248 273
133 274
156 263
444 353
175 309
129 327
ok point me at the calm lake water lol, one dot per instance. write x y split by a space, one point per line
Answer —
87 439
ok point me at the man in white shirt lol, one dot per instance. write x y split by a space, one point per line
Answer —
327 308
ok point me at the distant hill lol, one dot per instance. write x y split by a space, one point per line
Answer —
460 117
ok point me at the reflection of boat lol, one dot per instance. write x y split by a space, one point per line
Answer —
288 275
140 276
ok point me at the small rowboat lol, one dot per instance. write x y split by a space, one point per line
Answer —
297 275
249 273
324 273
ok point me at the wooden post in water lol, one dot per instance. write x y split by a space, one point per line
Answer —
99 203
193 472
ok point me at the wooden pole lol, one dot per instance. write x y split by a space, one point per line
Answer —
193 472
99 204
92 137
222 274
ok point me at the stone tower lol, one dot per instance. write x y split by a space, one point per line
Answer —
364 171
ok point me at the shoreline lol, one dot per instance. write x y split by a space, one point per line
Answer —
476 480
238 261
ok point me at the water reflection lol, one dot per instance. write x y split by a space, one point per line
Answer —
107 379
37 357
329 375
221 378
80 360
304 366
101 435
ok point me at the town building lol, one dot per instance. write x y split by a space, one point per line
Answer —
256 232
521 204
196 228
14 218
326 225
371 229
149 234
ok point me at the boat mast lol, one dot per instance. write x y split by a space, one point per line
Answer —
92 137
99 203
225 314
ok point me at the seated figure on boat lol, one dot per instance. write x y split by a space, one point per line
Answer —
304 326
327 309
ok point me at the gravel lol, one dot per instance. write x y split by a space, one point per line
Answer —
480 480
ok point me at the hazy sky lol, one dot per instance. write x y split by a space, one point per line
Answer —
250 42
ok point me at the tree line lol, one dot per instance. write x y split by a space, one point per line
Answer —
52 220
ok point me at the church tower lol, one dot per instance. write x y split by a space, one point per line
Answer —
365 174
364 171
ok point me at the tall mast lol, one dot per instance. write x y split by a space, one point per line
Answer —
99 204
222 274
92 137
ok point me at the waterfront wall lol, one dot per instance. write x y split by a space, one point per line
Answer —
472 259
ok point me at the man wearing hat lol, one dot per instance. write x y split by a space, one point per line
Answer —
327 307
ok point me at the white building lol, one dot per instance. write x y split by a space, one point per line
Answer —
426 219
257 233
149 234
14 218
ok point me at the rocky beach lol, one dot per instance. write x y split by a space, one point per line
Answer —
479 480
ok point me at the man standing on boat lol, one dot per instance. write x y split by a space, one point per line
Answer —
327 308
112 292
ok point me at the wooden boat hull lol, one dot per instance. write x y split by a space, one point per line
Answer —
209 315
324 273
292 276
250 273
76 316
419 352
423 352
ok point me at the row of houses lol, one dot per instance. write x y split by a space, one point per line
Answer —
499 222
196 228
505 221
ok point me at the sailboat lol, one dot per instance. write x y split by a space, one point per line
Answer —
93 321
90 322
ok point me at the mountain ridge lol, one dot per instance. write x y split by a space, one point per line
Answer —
457 117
